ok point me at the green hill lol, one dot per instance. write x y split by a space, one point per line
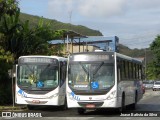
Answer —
56 25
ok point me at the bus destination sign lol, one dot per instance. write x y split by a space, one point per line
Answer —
37 60
88 57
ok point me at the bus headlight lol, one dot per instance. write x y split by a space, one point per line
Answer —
112 95
21 95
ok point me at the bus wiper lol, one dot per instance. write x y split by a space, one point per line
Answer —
32 71
87 72
45 68
96 70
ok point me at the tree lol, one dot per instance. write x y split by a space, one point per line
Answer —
22 39
18 38
6 61
8 7
153 70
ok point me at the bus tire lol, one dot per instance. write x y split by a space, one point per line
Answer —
64 107
133 106
136 100
123 107
81 111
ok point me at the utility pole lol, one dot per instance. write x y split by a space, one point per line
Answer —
67 45
13 70
70 18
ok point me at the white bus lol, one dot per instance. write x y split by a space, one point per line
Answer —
103 80
40 80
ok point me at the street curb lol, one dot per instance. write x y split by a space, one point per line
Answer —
11 108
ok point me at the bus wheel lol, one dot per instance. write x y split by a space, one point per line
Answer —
81 111
123 107
64 107
30 107
133 106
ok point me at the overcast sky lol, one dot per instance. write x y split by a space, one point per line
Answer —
135 22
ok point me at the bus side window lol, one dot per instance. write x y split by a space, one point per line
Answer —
119 74
118 70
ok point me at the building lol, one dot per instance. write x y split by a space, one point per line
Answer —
75 42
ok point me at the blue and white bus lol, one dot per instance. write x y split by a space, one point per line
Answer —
103 80
40 80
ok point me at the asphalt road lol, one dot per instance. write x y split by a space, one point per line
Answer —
147 108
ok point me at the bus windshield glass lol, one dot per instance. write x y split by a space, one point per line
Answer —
34 76
91 76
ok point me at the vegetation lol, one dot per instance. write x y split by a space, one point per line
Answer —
56 25
17 38
153 69
7 8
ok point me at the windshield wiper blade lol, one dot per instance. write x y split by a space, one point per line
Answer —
96 70
32 71
87 72
46 68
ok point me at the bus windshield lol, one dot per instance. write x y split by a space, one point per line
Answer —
37 76
95 76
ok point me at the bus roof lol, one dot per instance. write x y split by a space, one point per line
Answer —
125 57
44 56
128 58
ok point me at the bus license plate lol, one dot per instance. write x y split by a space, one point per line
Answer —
36 101
90 106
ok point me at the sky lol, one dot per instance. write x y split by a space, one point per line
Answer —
135 22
